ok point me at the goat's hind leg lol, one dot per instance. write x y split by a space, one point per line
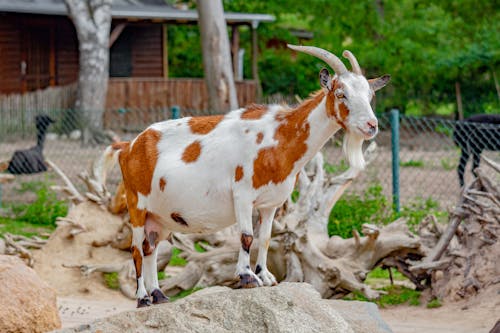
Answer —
137 254
153 234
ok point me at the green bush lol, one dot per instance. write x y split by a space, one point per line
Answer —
44 210
396 295
351 211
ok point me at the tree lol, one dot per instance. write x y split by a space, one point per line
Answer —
216 56
92 20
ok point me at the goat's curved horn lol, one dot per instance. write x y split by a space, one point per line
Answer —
354 62
332 60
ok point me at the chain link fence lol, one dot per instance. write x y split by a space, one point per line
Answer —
430 151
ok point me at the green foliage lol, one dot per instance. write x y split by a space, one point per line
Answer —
184 293
420 208
396 295
427 46
199 248
379 273
44 210
162 275
176 260
434 303
412 163
111 280
444 129
351 211
449 164
336 168
295 195
13 226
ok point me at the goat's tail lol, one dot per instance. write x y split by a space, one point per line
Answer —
108 160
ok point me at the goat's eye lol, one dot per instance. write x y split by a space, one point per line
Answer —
339 94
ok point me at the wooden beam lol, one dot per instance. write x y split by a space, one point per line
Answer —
116 33
165 50
52 58
255 52
235 47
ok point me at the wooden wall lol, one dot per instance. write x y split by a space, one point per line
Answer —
147 50
10 55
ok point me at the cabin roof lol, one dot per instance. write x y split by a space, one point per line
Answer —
130 9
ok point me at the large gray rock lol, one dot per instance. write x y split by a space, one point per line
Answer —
288 307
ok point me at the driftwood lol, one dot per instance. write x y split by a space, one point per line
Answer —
300 249
20 246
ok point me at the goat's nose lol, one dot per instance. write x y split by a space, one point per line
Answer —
372 123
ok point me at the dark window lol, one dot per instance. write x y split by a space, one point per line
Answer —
120 57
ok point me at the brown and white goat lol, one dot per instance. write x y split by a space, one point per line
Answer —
202 174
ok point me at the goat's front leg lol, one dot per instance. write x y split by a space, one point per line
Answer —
243 211
266 220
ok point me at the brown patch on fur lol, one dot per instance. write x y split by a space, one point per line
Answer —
137 256
192 152
149 243
238 173
260 137
163 182
118 204
204 125
343 112
274 164
138 163
246 242
330 106
178 218
254 111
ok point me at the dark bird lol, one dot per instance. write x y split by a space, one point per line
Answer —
31 160
472 136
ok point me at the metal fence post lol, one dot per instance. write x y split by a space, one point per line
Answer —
176 112
395 158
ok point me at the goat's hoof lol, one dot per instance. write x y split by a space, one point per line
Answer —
159 297
249 281
143 302
267 278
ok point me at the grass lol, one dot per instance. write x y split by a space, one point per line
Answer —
396 295
435 303
412 164
18 227
184 293
448 164
379 273
335 168
175 260
111 280
352 210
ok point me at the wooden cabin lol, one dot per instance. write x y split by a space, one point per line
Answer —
39 49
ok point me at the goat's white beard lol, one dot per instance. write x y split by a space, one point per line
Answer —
352 147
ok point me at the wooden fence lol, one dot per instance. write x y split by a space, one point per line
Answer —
132 103
17 111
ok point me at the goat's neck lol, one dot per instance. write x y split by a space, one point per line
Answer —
312 113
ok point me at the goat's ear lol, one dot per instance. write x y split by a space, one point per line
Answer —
379 82
325 80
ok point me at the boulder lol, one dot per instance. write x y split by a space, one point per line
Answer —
28 303
288 307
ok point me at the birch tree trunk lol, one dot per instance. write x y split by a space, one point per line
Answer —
216 56
92 20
